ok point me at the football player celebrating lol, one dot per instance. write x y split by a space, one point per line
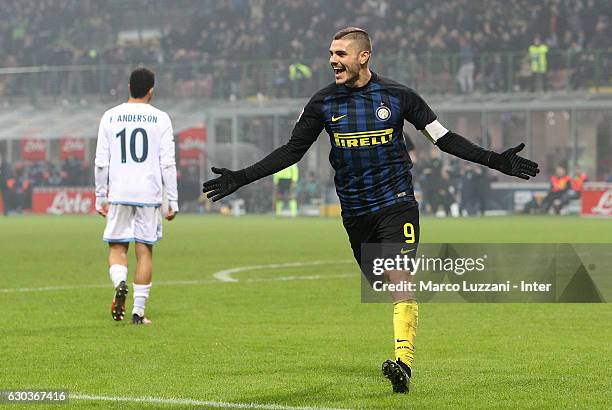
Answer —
134 162
363 114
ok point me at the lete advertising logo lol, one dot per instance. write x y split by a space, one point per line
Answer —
604 206
72 147
63 201
192 143
33 149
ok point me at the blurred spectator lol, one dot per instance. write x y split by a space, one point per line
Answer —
575 190
10 195
465 75
308 190
539 64
474 188
446 197
603 44
494 77
430 169
285 183
21 190
189 188
560 183
437 184
5 174
73 172
298 73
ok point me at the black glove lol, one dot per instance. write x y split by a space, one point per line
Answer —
228 182
511 164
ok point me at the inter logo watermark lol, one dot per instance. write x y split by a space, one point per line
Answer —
491 273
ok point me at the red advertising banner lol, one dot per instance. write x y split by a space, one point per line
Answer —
72 148
597 199
63 201
33 149
191 143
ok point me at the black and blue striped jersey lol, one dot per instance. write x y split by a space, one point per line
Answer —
368 152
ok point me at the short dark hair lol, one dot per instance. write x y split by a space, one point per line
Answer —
355 33
141 81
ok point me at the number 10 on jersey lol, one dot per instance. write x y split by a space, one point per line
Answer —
133 136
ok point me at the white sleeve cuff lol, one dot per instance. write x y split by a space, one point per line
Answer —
173 205
101 202
169 181
101 177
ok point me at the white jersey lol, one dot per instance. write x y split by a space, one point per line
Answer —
135 142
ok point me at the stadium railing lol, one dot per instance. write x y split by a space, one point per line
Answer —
431 73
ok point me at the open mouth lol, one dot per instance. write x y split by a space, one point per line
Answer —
338 70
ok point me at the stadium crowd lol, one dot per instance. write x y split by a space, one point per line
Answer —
216 35
63 32
19 179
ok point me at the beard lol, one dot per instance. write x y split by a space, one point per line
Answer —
351 75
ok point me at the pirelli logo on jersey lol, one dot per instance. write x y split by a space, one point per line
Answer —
363 138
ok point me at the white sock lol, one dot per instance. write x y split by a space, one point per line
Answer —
141 294
117 274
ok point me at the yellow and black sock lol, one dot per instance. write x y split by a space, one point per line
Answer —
405 318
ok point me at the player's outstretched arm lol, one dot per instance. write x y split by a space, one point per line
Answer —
507 162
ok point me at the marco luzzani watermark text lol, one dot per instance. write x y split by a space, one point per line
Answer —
487 272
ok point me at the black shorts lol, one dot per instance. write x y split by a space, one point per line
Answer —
393 230
284 186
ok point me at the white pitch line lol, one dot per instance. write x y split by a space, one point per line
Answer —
206 281
52 288
302 277
190 402
180 282
226 275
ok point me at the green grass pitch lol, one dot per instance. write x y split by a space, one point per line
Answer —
285 336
